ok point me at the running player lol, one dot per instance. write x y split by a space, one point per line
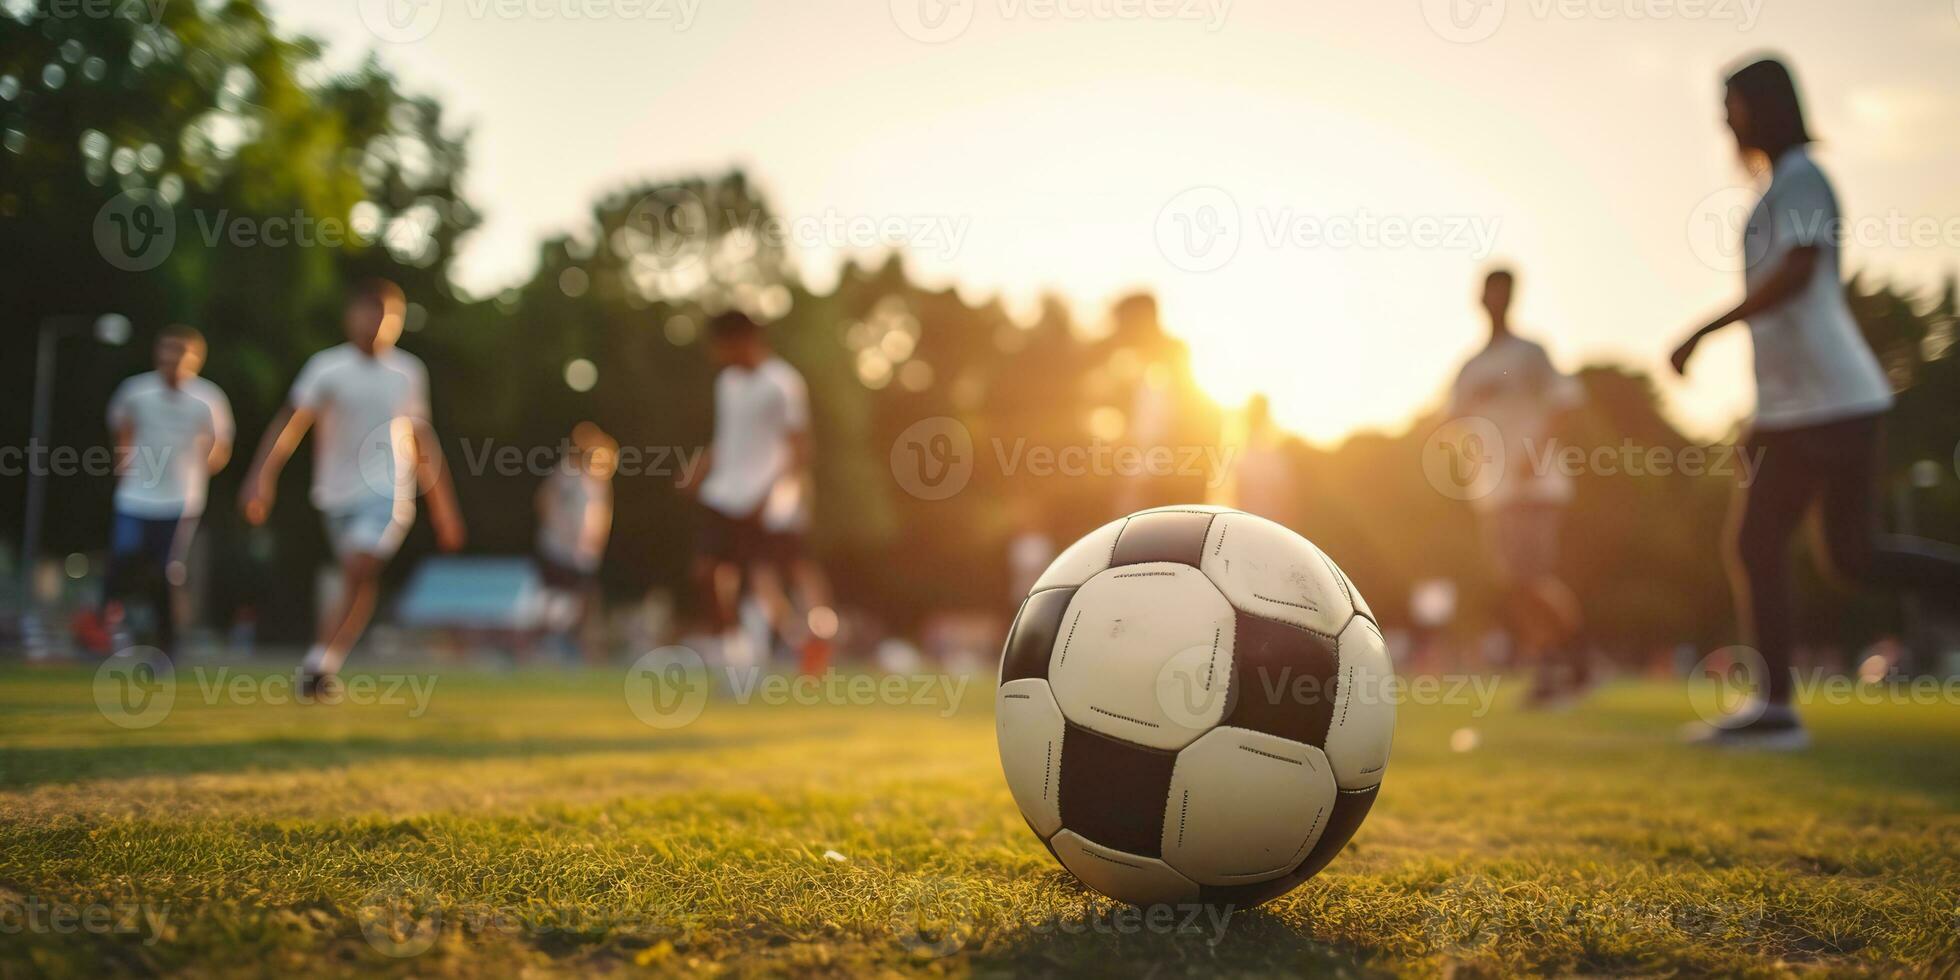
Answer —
173 431
575 513
1513 384
753 491
1821 398
375 448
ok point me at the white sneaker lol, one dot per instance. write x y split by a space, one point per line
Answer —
1755 728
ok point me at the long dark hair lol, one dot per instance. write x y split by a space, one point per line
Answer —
1775 112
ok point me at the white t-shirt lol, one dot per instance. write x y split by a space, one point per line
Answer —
1513 383
364 413
172 432
577 519
756 413
1812 364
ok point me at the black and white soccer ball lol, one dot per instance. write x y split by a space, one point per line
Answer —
1193 708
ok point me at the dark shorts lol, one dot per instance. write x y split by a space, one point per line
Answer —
563 577
158 541
744 541
1523 541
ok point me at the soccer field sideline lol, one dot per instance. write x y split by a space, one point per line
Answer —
531 821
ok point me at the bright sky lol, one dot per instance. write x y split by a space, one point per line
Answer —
1311 188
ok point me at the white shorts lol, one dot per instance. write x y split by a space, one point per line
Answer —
375 526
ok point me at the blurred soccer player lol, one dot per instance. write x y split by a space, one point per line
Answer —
1260 477
1820 400
755 490
173 430
1513 384
374 449
575 514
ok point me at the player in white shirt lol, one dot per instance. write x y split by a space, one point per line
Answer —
575 513
1821 397
173 430
755 494
1513 384
373 451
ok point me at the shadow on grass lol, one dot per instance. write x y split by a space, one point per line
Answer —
1256 944
1885 763
26 767
1096 937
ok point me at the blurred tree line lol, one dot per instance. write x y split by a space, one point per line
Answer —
209 110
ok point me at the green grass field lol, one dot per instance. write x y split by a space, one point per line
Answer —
530 823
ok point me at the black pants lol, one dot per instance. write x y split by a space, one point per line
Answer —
146 555
1835 469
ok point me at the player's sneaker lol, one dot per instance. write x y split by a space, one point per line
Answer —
1757 728
318 688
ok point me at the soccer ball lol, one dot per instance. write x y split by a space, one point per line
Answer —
1192 708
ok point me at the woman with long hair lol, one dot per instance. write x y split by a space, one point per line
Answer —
1821 396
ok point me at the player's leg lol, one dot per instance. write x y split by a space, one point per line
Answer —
1850 527
341 628
1562 661
1518 562
767 586
585 608
811 590
170 552
126 558
1765 515
364 538
717 580
729 547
